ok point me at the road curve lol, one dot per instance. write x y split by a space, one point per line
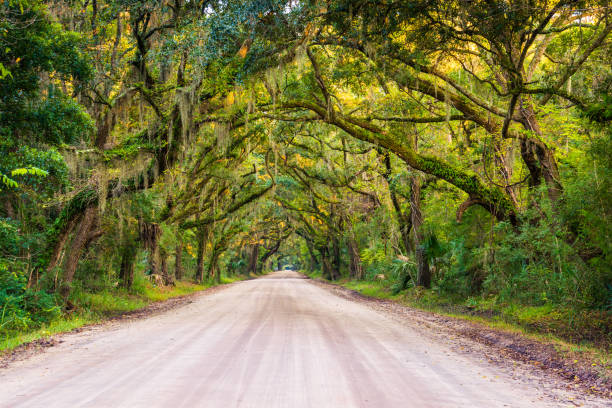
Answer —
277 341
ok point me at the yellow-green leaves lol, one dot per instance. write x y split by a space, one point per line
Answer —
9 182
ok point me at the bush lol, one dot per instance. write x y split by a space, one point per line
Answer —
460 269
22 308
403 274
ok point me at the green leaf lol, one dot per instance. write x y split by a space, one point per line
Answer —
35 171
9 182
4 72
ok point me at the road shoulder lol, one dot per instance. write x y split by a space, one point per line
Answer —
502 348
40 345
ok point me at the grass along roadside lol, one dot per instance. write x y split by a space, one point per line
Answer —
96 307
534 323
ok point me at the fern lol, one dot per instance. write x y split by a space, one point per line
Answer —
404 272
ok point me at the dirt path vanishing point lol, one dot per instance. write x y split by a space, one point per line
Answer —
277 341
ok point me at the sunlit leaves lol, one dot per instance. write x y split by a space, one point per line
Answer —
34 171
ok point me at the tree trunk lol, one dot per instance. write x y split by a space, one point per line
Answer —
154 256
314 262
403 220
505 171
325 263
76 246
546 166
105 124
60 243
355 266
253 259
268 254
178 260
423 272
212 271
531 162
154 260
245 255
149 234
199 275
163 261
217 271
336 261
126 271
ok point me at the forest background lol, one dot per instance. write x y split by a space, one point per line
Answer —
454 155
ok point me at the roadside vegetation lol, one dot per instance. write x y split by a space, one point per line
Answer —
529 278
455 155
584 334
29 315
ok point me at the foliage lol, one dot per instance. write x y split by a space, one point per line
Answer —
32 44
404 273
34 171
451 150
21 307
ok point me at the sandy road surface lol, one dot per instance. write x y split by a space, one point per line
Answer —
278 341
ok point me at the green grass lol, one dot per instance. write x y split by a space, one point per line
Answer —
65 324
180 289
369 289
97 306
110 302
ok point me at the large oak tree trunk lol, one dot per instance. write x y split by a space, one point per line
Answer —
253 258
126 271
403 220
149 234
76 246
213 271
199 275
539 160
336 261
60 243
423 272
326 263
314 262
355 266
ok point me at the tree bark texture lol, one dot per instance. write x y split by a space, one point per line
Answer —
76 246
355 266
546 165
163 262
199 275
403 220
314 262
126 271
149 234
423 272
326 263
253 259
336 261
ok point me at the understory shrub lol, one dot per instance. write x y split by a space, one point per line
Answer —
22 308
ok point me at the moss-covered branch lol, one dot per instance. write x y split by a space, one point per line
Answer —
235 206
492 198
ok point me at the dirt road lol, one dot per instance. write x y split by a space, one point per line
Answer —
278 341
